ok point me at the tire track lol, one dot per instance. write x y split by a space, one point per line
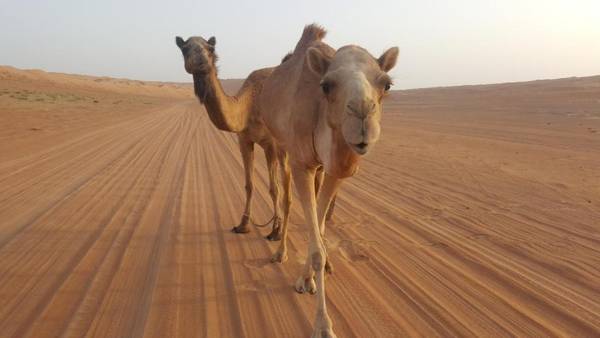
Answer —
123 230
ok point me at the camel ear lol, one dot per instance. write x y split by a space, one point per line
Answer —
179 41
212 41
388 59
317 61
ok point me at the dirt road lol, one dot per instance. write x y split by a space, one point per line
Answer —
478 214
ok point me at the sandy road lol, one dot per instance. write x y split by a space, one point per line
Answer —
452 227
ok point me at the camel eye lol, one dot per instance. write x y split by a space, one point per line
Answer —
388 86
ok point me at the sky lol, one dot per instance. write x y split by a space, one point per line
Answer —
441 43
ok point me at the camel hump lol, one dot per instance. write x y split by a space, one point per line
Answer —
312 33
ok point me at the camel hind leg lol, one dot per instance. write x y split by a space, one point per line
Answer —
272 165
329 215
319 180
286 177
247 151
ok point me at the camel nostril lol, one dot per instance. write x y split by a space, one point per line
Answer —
352 110
362 145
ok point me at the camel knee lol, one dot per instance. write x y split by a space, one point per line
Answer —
318 260
249 189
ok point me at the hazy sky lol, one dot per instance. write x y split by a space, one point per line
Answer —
441 42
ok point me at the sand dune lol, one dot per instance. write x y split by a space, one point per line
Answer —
477 214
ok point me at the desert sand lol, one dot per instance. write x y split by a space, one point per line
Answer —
477 214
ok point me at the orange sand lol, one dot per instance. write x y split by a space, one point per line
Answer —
477 214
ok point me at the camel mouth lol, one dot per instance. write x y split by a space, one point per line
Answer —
200 70
197 68
360 148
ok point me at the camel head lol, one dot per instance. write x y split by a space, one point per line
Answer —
198 54
353 85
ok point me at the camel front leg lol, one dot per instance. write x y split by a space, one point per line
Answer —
304 179
325 198
247 150
286 176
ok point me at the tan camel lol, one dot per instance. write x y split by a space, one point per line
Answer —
239 114
324 108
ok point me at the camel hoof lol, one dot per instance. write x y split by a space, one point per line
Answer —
241 229
328 267
274 236
306 285
279 257
323 333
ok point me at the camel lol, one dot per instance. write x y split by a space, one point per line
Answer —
323 107
239 114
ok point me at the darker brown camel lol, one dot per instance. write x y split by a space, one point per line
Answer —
239 114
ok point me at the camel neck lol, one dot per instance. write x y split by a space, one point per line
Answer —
226 112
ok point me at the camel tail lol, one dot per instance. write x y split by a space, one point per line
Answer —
312 33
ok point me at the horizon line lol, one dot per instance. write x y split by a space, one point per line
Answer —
242 79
